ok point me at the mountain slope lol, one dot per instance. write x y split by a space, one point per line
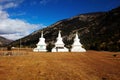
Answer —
97 31
4 41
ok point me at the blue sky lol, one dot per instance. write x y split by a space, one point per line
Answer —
49 11
32 15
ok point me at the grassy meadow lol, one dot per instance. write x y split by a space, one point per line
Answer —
28 65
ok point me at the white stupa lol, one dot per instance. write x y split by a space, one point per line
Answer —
59 45
41 46
77 46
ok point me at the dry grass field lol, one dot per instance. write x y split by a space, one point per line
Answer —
92 65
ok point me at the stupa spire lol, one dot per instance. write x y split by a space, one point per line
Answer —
41 34
76 36
59 34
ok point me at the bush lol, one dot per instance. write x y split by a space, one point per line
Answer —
9 48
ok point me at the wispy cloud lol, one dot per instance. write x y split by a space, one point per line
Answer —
44 2
5 4
3 15
10 5
18 14
33 3
9 28
14 28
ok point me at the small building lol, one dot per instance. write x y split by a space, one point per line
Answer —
41 46
59 45
77 46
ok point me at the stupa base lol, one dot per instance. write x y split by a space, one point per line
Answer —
63 49
78 50
39 50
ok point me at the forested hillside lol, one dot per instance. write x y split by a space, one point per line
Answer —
97 31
